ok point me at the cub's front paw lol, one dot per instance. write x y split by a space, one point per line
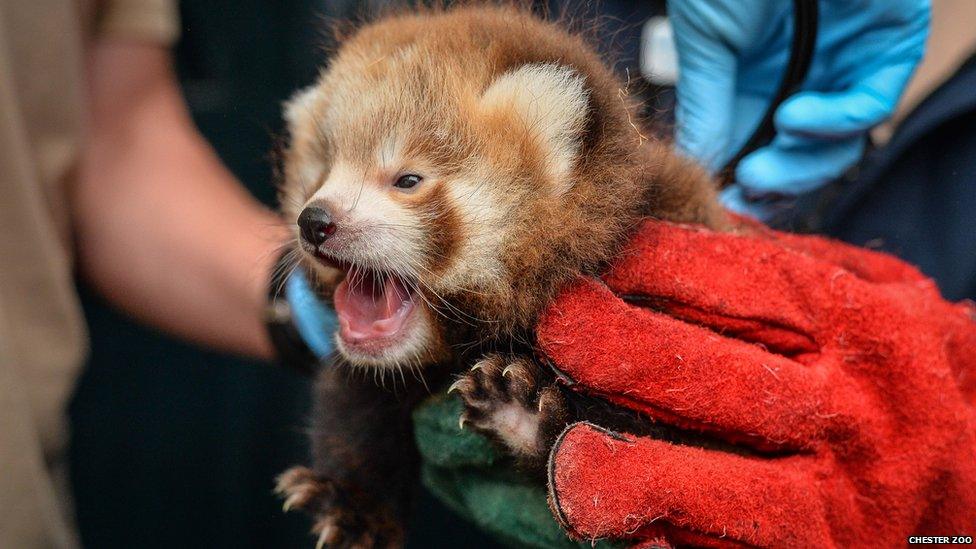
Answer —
512 400
339 522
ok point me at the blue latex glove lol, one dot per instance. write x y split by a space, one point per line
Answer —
315 321
732 55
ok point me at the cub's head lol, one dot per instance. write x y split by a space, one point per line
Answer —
449 171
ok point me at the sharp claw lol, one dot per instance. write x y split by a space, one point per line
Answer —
324 537
461 421
290 502
477 366
454 386
506 371
330 534
284 480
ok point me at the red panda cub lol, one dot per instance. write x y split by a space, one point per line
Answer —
446 174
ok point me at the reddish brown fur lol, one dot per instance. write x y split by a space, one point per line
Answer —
622 177
446 234
423 79
619 178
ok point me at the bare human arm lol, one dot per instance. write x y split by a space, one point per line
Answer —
164 231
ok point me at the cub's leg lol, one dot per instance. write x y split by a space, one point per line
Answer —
516 402
364 462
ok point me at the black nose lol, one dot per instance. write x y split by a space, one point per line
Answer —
315 225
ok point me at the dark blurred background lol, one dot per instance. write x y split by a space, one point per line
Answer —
174 446
177 447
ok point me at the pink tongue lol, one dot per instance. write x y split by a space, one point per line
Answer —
366 312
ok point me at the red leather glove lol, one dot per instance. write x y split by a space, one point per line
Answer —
846 377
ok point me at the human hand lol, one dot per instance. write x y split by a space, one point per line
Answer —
732 55
837 385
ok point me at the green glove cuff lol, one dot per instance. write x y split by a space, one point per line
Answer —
465 471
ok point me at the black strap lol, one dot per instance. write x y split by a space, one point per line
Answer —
801 56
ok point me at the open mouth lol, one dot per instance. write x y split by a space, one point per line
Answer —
373 306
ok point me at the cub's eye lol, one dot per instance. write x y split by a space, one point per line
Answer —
408 182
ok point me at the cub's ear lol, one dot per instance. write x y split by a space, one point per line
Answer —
301 106
306 157
552 103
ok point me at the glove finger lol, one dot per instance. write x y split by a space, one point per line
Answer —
735 200
316 322
876 267
653 542
961 346
602 484
869 265
706 98
786 294
792 166
847 113
682 374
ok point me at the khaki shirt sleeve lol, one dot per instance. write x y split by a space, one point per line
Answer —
149 20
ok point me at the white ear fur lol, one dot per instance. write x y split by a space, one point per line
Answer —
306 162
303 114
552 101
301 103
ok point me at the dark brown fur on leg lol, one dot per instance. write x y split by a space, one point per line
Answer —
364 462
